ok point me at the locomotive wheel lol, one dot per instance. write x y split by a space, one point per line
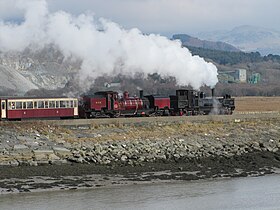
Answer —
86 115
166 112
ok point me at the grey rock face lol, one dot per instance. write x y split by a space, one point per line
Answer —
29 69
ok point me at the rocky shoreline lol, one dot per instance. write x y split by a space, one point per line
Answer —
129 153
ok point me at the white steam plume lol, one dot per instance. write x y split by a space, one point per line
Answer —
104 46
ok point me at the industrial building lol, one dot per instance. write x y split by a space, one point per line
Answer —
236 76
254 78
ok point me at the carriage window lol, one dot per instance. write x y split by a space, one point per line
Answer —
57 104
24 105
12 105
71 104
75 104
46 104
67 104
40 104
35 104
62 104
51 104
18 105
29 105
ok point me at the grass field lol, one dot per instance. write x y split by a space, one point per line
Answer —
257 104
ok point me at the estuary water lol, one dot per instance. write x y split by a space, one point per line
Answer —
239 193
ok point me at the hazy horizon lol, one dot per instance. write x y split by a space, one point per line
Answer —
165 17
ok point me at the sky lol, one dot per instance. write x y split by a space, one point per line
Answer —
167 17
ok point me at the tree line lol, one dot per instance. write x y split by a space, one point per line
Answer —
231 58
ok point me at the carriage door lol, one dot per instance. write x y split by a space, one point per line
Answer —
3 109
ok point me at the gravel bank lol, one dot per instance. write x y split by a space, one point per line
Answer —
122 152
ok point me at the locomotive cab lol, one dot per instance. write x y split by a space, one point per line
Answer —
186 101
101 104
228 103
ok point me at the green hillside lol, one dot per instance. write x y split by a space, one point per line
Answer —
232 58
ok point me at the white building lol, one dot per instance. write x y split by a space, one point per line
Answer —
241 75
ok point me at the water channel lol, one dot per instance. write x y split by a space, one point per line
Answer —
227 194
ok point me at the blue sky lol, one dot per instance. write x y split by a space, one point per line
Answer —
167 17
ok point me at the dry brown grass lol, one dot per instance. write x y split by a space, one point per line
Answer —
257 104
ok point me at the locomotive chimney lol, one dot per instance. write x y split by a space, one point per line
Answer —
125 95
141 94
213 92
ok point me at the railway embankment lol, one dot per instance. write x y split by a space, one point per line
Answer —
191 148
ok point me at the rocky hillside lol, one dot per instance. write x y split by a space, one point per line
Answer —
47 68
12 80
195 42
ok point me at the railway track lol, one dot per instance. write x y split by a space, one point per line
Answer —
83 123
236 117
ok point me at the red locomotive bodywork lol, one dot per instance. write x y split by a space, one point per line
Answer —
101 104
162 103
158 102
95 103
111 102
131 104
108 104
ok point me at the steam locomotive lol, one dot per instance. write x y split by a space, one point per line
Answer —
105 104
185 102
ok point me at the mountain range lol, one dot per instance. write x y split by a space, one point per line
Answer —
247 38
188 40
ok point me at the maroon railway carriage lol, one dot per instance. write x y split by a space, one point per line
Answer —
26 108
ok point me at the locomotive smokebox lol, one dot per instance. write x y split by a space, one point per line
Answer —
141 94
213 92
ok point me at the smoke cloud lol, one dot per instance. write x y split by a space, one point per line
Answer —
104 47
